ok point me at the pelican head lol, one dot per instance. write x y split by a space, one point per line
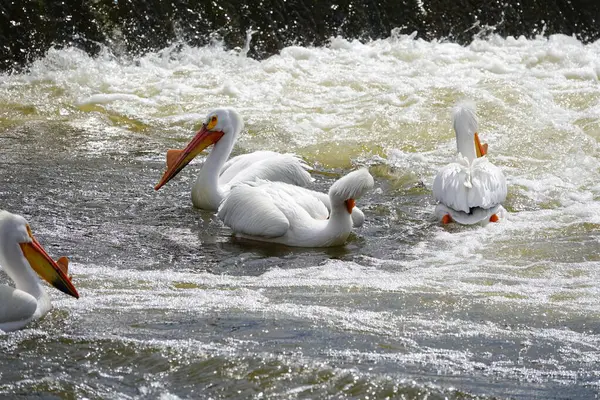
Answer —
219 123
351 187
17 245
466 127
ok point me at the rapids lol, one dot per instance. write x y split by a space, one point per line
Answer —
172 306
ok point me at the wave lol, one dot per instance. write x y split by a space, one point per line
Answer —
139 27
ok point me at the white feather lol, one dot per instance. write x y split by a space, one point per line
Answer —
351 186
465 126
28 301
470 188
464 118
283 213
464 185
217 174
17 308
251 210
267 165
358 217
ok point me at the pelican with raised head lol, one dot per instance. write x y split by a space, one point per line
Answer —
472 189
221 128
22 257
282 213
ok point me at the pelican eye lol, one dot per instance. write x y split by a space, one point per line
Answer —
212 122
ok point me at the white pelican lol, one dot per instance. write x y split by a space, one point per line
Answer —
21 255
295 216
221 128
471 189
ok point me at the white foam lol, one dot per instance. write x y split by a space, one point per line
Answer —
109 98
388 101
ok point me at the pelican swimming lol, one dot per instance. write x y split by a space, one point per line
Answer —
283 213
221 128
21 257
471 189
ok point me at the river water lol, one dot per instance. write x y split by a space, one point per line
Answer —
172 306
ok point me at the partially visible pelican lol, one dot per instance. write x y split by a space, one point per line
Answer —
221 128
471 189
282 213
21 257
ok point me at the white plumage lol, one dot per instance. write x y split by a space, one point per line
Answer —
471 189
268 165
464 121
221 128
218 175
464 185
292 215
21 257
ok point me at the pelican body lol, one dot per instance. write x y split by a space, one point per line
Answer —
472 189
295 216
23 259
221 129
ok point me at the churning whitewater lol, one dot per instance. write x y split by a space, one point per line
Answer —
173 305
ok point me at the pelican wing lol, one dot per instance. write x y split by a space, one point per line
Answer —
251 211
238 163
463 185
267 165
267 209
316 204
16 308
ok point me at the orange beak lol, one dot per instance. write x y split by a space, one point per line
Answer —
178 159
350 203
52 272
480 149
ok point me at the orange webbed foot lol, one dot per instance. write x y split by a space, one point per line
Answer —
446 219
494 218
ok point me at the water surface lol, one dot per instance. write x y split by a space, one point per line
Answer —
173 306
